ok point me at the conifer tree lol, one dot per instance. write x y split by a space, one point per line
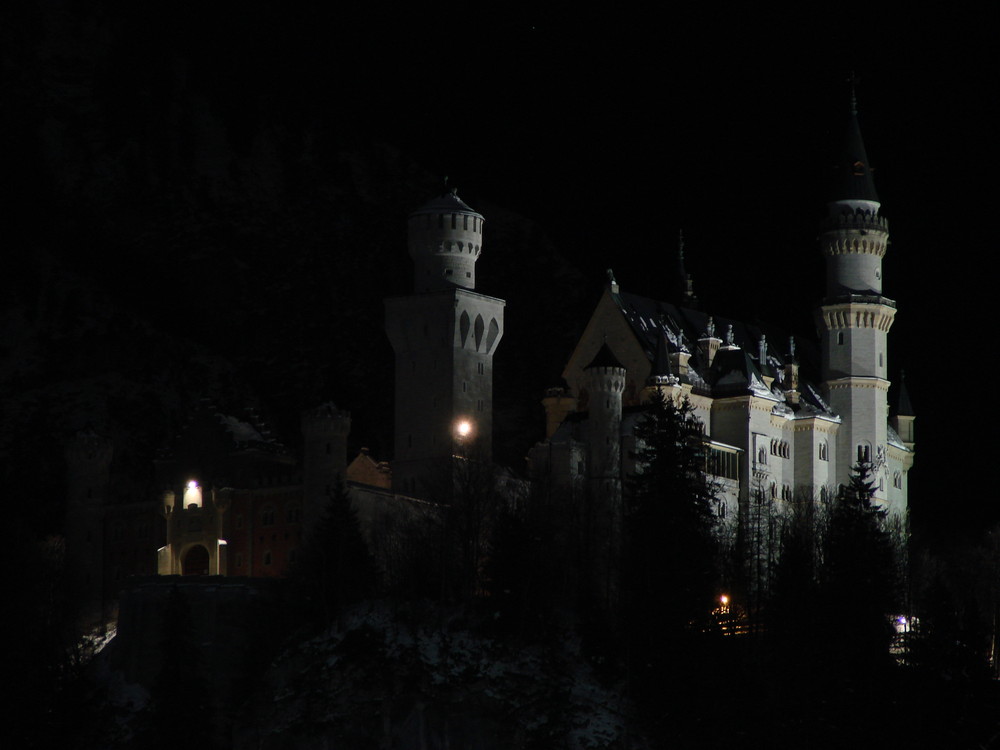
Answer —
859 582
671 547
334 567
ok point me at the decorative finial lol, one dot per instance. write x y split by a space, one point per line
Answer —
853 80
611 280
680 244
710 328
791 347
762 350
730 336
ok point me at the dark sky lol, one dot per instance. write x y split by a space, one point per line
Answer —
614 130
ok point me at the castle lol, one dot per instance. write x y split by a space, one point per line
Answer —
233 501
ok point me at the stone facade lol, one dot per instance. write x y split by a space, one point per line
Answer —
783 421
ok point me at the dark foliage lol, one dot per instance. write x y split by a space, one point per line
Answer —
334 567
859 581
518 583
671 550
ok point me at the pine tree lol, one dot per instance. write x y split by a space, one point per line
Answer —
671 548
334 567
859 581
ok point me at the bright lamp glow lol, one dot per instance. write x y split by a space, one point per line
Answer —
192 495
463 428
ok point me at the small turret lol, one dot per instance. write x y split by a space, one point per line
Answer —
708 344
606 376
445 238
903 418
855 235
324 431
791 374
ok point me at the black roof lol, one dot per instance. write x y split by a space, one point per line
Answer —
853 177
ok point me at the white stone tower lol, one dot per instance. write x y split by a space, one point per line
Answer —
855 318
444 336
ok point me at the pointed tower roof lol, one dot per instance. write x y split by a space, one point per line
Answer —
682 285
853 178
605 358
661 360
903 406
447 202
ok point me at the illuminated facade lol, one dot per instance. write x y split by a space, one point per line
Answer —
784 420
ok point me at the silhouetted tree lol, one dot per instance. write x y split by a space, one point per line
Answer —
333 567
792 609
671 550
517 575
859 582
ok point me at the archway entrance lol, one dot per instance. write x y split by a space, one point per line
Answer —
196 561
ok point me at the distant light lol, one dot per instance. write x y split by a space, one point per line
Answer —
724 599
463 428
192 495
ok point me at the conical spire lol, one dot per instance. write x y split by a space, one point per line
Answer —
661 360
682 285
903 405
605 358
853 179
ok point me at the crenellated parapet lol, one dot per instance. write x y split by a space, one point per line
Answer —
858 220
324 421
445 240
867 312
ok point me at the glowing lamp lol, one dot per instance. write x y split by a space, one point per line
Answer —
724 599
463 428
192 495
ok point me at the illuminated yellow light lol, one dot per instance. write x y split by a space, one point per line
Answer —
192 495
464 428
724 599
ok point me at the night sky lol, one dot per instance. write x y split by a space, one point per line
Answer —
611 133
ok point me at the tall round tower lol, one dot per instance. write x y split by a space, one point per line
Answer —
855 318
445 237
444 335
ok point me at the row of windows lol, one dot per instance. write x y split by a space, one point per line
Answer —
785 492
722 463
782 449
